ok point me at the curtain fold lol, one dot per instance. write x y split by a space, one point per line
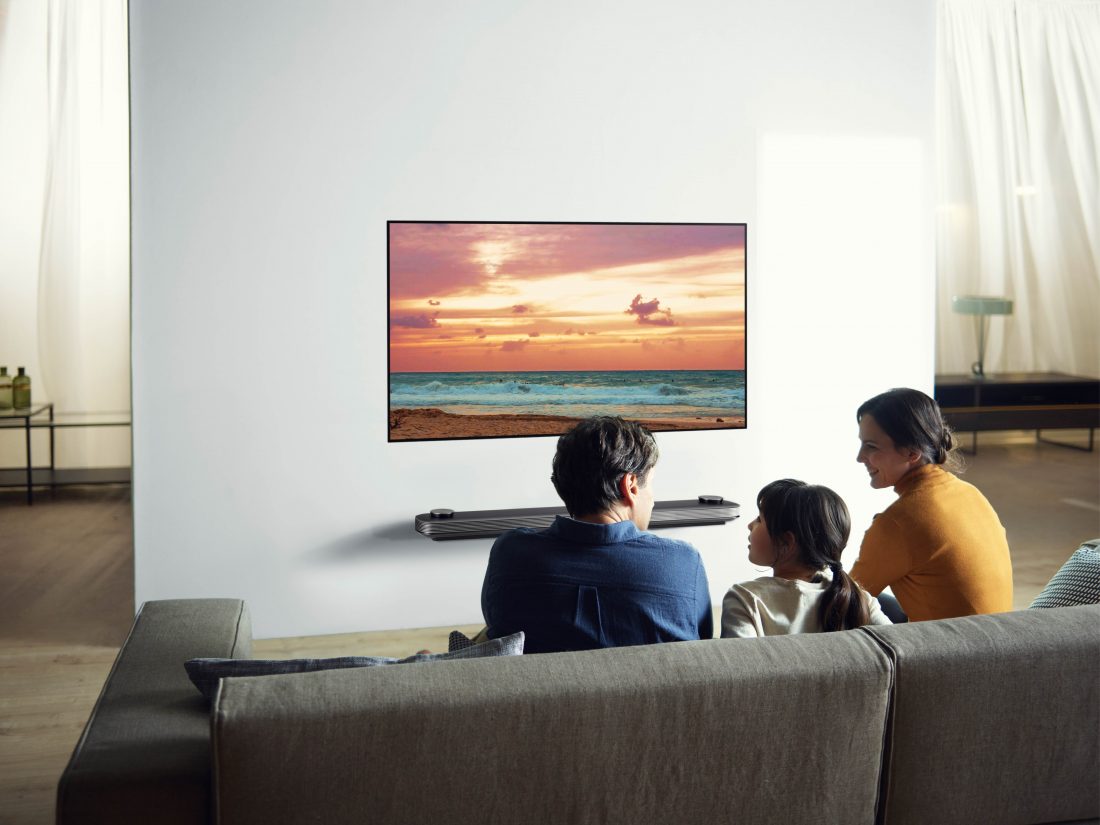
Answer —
1018 121
84 260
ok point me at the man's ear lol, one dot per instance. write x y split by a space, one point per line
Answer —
628 488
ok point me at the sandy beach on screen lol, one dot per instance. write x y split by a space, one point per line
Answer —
415 424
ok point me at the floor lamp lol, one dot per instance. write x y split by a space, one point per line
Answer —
982 307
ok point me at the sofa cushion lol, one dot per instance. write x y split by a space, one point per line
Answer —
786 729
994 718
1077 582
206 673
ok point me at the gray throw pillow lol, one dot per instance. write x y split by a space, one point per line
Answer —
1077 582
460 641
205 673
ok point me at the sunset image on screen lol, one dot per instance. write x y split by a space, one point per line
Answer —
520 329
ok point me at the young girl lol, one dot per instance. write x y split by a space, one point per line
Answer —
800 532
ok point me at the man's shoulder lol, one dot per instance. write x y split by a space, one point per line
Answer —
666 543
524 539
519 537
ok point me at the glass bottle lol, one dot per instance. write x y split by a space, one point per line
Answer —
5 389
21 389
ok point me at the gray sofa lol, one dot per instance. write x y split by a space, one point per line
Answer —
985 719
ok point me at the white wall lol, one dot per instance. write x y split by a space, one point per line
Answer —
272 141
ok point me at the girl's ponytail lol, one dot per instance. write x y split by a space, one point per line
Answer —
843 607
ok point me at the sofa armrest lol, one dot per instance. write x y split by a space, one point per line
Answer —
144 755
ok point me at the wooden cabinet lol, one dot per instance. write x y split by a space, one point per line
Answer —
1020 401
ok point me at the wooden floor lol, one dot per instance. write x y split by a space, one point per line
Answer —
66 598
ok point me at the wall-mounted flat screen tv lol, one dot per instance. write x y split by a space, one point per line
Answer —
520 329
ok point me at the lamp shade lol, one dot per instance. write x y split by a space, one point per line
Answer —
981 305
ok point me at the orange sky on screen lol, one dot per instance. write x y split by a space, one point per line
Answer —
512 297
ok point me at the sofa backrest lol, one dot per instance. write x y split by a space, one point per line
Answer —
995 719
786 729
144 756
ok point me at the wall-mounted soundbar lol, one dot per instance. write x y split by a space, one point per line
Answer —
443 525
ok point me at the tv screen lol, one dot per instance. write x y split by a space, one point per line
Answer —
519 329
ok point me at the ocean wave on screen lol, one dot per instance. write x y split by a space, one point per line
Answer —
610 390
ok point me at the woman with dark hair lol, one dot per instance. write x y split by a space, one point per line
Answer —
800 533
940 547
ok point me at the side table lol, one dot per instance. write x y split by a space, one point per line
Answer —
9 419
43 416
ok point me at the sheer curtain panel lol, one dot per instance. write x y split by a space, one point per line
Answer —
1018 123
65 228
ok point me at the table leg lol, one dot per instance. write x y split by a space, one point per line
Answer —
1039 439
30 485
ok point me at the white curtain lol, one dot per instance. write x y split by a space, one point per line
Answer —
1018 130
64 216
83 278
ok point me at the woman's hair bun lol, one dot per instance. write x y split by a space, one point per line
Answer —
944 447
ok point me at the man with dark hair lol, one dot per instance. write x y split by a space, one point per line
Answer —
596 578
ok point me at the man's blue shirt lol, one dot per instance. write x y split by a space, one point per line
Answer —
577 586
